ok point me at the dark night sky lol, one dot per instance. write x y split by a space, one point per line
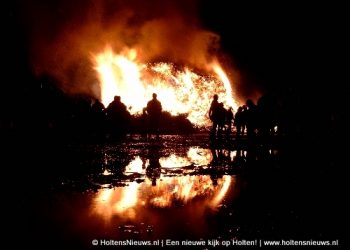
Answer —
295 50
275 42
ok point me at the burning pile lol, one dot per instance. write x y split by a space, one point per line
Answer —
180 90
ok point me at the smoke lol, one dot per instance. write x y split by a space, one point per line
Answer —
65 34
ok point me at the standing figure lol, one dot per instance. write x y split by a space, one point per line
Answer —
221 119
118 117
239 122
229 119
214 115
154 112
98 116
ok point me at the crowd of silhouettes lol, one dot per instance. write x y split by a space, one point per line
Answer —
250 120
221 118
115 121
82 117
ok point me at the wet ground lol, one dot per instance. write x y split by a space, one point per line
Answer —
177 187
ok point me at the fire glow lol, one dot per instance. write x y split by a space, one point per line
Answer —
180 90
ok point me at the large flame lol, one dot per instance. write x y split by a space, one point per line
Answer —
180 90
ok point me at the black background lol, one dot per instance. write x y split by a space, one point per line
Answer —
293 50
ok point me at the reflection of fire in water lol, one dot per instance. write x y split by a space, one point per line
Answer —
179 90
169 191
186 188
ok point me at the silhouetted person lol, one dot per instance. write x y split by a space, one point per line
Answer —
229 120
97 108
154 111
239 122
214 115
118 116
221 119
98 117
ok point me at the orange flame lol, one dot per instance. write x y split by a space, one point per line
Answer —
179 90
